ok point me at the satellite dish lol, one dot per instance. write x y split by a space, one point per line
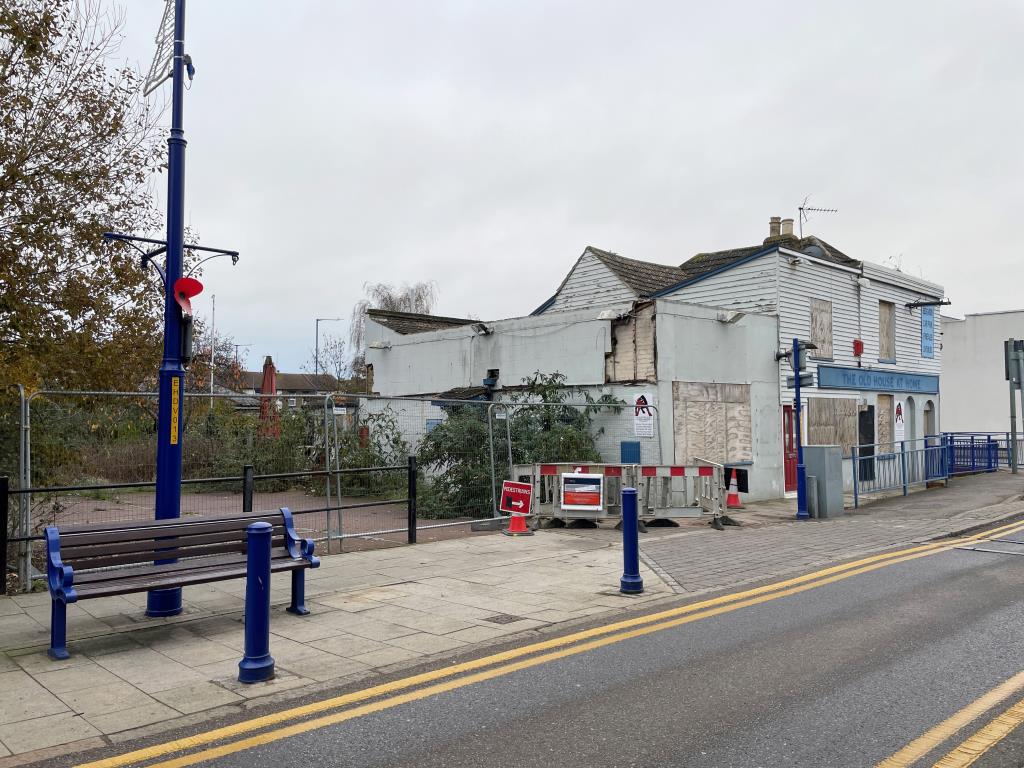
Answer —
184 289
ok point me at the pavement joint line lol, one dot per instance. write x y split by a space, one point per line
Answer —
970 750
647 624
938 734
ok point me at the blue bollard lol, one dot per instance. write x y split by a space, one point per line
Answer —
257 665
631 583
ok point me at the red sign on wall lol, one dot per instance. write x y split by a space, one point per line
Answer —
515 497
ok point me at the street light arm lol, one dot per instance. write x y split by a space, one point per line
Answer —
232 254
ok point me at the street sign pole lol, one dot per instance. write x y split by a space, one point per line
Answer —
167 602
801 479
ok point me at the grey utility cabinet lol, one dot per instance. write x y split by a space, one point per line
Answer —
825 464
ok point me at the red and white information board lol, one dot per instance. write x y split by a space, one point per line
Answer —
582 491
515 497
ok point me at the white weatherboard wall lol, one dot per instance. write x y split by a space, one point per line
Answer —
589 283
749 286
975 393
694 346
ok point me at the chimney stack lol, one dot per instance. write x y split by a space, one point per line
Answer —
787 228
773 226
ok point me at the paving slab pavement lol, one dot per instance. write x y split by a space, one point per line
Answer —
371 612
381 611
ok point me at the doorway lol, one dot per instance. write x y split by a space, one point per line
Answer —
789 448
866 441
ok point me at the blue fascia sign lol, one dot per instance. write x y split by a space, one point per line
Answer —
834 377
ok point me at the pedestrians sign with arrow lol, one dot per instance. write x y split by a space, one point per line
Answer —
515 497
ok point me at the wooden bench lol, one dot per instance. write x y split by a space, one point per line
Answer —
108 559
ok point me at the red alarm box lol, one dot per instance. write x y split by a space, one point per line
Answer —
858 347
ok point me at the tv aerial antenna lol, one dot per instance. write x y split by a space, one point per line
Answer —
162 67
805 209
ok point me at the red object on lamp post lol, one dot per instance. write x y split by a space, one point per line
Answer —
184 289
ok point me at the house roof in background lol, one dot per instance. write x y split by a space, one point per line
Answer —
413 322
292 382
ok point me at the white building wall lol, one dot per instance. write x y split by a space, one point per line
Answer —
572 343
590 283
798 284
975 394
694 346
891 285
751 286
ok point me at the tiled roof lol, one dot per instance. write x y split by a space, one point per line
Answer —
703 263
292 382
412 322
642 277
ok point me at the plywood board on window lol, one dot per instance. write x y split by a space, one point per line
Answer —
886 330
821 327
884 410
832 421
737 431
711 421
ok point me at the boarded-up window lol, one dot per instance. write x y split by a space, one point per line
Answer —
832 421
884 410
711 422
886 330
821 328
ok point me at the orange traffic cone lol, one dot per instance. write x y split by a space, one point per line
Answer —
517 526
732 500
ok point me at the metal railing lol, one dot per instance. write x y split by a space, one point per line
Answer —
881 467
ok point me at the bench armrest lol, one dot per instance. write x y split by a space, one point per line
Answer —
299 549
59 577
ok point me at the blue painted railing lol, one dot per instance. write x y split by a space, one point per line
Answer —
901 465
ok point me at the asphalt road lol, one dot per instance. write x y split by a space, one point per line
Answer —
841 674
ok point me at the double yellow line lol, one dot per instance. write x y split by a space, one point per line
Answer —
510 661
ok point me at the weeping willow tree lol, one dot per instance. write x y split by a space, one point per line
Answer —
417 297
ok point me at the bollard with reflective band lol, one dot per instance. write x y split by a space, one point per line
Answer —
631 582
257 665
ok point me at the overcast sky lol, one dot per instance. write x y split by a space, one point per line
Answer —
483 145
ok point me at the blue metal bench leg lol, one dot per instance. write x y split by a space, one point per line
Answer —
298 605
58 630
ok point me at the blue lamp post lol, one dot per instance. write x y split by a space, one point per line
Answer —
167 602
177 326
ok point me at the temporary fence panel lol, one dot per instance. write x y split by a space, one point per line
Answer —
593 432
663 491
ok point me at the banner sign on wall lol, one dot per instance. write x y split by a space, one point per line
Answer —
899 422
643 416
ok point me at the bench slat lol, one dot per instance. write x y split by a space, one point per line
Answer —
192 564
72 553
185 553
150 581
151 528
